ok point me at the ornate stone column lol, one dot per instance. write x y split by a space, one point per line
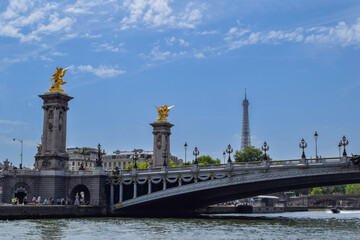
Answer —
52 152
161 132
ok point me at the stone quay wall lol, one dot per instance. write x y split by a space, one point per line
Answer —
10 212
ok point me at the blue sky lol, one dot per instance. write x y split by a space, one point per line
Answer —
299 61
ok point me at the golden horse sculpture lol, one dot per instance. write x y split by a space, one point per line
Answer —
57 80
163 112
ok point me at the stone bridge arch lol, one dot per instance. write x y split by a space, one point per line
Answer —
83 192
21 190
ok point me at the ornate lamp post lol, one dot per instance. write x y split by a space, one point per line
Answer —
196 153
224 155
339 146
21 154
316 137
303 145
164 155
229 150
185 146
265 148
135 158
99 153
344 142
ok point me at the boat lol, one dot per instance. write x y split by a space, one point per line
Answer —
335 210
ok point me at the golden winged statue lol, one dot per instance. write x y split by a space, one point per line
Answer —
57 80
163 112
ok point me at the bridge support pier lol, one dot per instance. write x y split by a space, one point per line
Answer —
135 189
179 182
120 192
111 195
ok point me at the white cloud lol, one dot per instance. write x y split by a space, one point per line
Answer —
156 54
342 34
199 55
158 13
110 47
101 71
12 122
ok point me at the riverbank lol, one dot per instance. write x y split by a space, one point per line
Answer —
10 212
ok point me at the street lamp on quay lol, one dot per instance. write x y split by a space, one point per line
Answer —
21 154
224 155
316 137
344 143
229 150
339 146
185 146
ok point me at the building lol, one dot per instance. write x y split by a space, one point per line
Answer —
245 133
122 159
84 156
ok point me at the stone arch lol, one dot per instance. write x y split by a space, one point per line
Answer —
21 190
83 192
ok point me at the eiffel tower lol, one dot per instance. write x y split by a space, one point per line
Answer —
245 133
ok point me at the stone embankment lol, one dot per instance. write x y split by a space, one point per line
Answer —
9 212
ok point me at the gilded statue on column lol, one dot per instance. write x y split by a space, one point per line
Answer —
57 80
163 112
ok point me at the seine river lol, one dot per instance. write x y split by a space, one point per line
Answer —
300 225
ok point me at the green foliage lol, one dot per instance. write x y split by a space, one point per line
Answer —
207 160
143 165
250 154
352 189
316 191
172 163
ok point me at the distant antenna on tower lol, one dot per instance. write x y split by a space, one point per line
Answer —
245 134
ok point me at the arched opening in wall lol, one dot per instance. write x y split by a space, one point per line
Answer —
20 193
80 195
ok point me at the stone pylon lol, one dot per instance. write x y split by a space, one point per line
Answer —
245 133
52 151
161 148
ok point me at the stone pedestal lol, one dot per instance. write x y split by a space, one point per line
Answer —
52 152
161 134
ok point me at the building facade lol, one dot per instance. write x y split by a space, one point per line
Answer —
83 158
122 159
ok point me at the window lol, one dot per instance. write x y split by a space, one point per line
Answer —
78 163
109 164
73 168
73 163
104 164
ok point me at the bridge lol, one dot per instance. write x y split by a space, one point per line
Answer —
184 189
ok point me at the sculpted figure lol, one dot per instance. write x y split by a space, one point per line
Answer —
57 80
163 112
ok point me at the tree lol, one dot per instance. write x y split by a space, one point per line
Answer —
352 189
250 154
316 191
207 160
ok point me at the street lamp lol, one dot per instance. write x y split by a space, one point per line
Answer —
316 137
135 158
21 154
196 153
99 153
265 148
344 143
185 146
229 150
303 145
224 155
339 146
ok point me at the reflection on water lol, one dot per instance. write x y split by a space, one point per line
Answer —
301 225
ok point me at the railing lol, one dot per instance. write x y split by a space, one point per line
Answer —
230 166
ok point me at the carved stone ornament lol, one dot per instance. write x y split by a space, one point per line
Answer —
158 142
46 163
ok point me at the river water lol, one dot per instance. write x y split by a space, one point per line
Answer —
299 225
